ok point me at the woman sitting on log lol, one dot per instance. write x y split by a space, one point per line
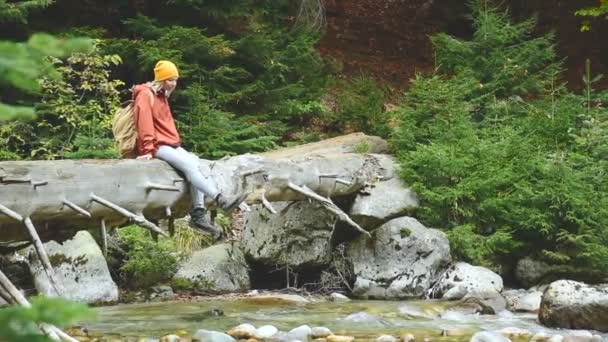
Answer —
157 137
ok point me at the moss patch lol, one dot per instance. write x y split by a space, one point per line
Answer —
59 259
188 285
405 232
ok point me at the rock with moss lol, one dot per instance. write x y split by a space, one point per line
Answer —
401 260
530 272
217 269
383 201
81 269
465 280
298 235
574 305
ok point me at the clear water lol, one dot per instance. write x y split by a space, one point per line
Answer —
363 319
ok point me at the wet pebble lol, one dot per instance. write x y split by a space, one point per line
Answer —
242 331
300 333
320 332
266 331
203 335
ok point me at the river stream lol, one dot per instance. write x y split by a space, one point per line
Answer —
363 319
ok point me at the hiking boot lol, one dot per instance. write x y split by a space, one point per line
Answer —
229 203
199 220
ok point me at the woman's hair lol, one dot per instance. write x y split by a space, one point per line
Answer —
158 86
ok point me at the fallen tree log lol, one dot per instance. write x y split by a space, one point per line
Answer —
64 196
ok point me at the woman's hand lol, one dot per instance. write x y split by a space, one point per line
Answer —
145 156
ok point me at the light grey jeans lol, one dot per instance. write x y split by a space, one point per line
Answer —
201 183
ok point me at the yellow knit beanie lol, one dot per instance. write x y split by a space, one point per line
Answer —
165 70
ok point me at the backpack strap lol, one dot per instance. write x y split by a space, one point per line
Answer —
152 96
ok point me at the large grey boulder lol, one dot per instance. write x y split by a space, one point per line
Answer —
217 269
471 283
80 267
530 272
384 201
575 305
401 260
462 279
298 235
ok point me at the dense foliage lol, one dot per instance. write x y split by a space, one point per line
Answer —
501 154
146 262
22 64
599 11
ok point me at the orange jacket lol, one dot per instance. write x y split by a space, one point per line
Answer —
155 126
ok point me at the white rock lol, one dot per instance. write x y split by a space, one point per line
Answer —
80 267
338 297
243 331
300 333
222 268
386 199
203 335
299 236
574 305
265 331
386 338
320 332
402 260
462 278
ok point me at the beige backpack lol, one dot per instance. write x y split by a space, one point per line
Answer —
125 132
